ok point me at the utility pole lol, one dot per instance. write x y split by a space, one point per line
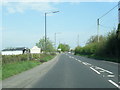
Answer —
78 40
98 20
46 27
55 40
98 29
45 32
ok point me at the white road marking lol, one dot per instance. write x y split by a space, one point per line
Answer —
76 59
101 71
104 70
111 75
95 70
114 83
84 63
79 61
88 63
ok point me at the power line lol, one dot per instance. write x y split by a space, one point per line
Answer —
109 11
98 20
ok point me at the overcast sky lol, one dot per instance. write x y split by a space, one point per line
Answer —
23 23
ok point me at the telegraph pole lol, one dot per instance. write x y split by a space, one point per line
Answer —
55 40
45 32
78 40
98 20
98 29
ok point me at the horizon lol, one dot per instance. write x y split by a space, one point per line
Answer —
23 23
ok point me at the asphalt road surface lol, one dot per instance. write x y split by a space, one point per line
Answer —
68 71
79 72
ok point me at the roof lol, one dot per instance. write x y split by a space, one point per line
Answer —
15 49
35 47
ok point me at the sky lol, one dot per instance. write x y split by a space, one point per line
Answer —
22 23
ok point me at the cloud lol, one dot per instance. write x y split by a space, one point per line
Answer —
20 7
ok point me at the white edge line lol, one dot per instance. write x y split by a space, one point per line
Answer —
95 70
114 83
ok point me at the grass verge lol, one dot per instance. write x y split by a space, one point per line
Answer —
17 67
101 58
14 68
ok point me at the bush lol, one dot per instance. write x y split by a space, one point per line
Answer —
108 47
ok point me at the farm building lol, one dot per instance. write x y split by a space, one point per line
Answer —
15 51
35 50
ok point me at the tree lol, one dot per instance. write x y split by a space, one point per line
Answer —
118 32
94 39
49 46
64 47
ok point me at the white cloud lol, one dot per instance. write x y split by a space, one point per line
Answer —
20 7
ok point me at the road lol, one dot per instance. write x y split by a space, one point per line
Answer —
71 71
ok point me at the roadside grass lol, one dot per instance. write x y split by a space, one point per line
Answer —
45 59
100 58
17 67
14 68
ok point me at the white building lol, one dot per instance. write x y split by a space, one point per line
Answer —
35 50
15 51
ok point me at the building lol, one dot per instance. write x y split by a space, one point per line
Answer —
35 50
15 51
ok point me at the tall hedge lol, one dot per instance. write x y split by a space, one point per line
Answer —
109 47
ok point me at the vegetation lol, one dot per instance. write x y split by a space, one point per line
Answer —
48 46
14 64
15 58
64 47
17 67
107 48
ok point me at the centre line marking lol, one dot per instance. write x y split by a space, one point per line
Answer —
111 75
114 83
95 70
79 61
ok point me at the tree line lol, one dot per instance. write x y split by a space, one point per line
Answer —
48 46
107 48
